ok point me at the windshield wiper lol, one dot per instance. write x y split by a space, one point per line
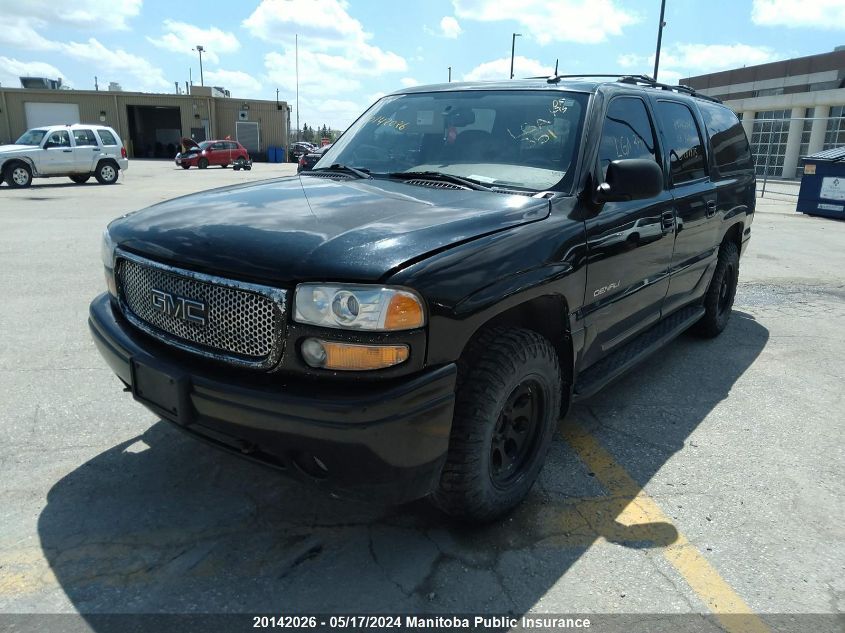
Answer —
345 169
438 175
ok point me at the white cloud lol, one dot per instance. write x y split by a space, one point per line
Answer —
450 28
181 37
323 28
501 68
409 82
239 83
89 15
583 21
116 64
684 60
11 69
821 14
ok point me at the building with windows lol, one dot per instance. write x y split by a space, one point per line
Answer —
789 109
151 125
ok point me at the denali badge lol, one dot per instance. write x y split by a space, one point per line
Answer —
179 307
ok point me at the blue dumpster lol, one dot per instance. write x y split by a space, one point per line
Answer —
823 184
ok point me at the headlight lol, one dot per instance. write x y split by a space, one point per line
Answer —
351 307
107 255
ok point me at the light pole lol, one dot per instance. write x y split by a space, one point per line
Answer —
450 74
200 50
513 48
297 86
659 37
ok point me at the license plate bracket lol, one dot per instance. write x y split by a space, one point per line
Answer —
161 390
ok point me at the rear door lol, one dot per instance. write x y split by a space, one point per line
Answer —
86 150
56 157
686 162
629 243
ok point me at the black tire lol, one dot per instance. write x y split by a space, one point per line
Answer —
506 413
107 173
79 180
19 175
224 166
186 166
202 163
719 300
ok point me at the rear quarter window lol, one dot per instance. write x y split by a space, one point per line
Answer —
107 137
727 137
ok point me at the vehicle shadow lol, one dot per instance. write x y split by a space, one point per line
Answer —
162 523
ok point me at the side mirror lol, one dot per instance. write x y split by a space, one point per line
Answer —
630 179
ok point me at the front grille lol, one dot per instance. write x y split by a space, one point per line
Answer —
244 323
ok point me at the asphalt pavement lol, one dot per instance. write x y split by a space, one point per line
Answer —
709 480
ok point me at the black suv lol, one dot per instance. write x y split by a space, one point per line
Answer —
413 316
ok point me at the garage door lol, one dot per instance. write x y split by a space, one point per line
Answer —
247 135
39 114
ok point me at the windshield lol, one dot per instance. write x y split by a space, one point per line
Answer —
509 138
31 137
204 145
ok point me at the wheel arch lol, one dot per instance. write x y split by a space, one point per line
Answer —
107 159
734 234
17 159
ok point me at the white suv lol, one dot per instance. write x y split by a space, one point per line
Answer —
79 151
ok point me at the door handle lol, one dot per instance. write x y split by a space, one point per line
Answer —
711 208
67 151
95 149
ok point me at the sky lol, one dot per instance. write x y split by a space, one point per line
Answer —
353 51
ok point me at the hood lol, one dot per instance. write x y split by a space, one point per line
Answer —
189 144
313 228
16 148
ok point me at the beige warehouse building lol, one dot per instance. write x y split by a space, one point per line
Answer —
151 125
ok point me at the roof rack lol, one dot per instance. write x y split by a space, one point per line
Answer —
637 80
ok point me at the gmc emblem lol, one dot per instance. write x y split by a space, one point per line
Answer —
179 307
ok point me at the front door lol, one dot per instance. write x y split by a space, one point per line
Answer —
629 243
56 156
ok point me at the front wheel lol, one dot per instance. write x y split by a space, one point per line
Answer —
81 179
203 163
106 173
506 412
186 166
19 175
719 300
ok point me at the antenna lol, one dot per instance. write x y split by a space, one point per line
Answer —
556 61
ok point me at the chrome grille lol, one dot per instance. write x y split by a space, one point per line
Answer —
244 322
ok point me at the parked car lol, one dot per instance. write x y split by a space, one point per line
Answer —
223 153
412 316
78 151
307 161
300 148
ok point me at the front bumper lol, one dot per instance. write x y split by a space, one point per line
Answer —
380 440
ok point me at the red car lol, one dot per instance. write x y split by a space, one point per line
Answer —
223 153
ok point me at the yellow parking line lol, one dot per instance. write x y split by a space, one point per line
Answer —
733 613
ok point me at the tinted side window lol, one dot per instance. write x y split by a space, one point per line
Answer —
107 137
84 137
232 145
627 132
683 142
58 139
730 146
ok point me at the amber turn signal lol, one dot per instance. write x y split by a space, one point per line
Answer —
404 312
352 357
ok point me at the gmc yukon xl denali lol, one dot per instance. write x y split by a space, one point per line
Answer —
412 317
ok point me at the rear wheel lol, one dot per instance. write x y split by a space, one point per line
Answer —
506 413
203 163
106 173
19 175
80 179
719 300
225 165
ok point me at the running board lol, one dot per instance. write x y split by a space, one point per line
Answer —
633 352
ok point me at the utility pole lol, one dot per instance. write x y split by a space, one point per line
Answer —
297 86
450 74
513 49
659 37
96 85
200 50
